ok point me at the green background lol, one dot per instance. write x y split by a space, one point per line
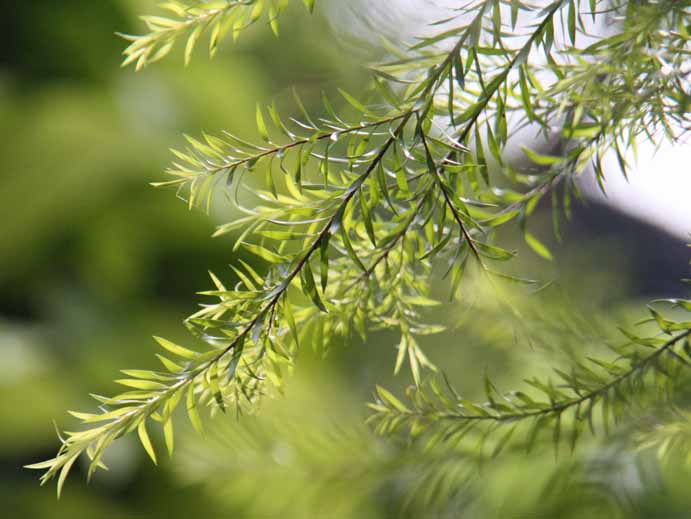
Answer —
93 262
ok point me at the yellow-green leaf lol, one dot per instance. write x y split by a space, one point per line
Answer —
146 441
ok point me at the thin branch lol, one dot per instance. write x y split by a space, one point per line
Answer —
307 140
560 407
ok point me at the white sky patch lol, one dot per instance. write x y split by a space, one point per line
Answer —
658 190
659 185
396 20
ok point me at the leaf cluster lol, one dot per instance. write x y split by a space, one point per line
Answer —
356 211
191 20
594 394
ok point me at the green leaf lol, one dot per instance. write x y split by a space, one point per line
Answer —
537 246
146 441
582 131
400 357
309 288
261 124
168 435
350 250
64 472
388 398
264 253
494 252
192 412
191 43
273 19
176 349
169 364
141 384
324 267
215 387
420 301
541 160
367 218
290 318
354 102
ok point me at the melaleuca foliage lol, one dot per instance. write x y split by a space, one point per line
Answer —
360 206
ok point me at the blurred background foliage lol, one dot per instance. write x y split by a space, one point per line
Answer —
94 262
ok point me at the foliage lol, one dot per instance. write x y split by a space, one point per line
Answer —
361 206
191 20
593 392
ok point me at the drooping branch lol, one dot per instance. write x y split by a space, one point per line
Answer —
375 223
598 382
191 19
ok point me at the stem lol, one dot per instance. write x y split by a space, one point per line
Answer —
392 245
563 406
324 136
438 181
501 77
